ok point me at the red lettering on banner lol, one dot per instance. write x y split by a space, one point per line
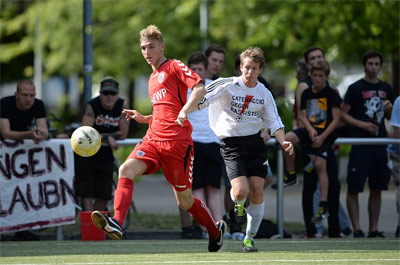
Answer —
50 194
10 168
33 162
24 167
60 161
5 168
36 184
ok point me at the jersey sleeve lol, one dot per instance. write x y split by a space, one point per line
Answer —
390 94
214 91
183 73
349 96
336 99
40 111
303 101
3 109
271 117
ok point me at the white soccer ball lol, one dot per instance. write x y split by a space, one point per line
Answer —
85 141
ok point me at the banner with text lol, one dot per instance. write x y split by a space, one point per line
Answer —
36 184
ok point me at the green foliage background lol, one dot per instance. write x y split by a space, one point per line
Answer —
283 29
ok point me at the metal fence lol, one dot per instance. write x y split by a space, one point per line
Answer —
280 165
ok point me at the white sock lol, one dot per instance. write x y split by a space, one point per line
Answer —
236 201
255 214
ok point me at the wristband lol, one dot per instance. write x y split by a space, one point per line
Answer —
104 139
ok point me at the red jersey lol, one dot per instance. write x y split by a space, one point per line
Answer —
168 86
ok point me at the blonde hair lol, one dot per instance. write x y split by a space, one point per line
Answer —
255 54
151 32
320 65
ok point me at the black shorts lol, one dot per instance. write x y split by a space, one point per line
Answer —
245 156
93 177
305 142
368 161
207 165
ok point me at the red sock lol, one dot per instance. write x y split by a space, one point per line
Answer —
201 214
122 199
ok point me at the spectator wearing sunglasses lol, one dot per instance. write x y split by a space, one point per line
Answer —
93 178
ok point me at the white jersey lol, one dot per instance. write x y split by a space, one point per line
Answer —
202 132
238 110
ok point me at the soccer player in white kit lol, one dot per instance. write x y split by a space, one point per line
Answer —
239 107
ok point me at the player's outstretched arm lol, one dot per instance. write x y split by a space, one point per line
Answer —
191 105
286 145
137 116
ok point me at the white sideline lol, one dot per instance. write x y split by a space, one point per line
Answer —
227 261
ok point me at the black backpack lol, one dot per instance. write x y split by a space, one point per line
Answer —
269 229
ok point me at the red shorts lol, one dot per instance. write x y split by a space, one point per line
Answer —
174 157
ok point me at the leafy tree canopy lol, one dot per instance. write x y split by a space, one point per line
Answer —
283 29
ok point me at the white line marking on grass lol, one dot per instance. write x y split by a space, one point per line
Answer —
317 241
240 261
151 242
224 261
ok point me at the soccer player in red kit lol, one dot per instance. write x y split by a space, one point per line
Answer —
167 143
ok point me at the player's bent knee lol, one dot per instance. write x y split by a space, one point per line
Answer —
184 199
319 163
292 137
131 169
268 181
185 204
241 194
257 196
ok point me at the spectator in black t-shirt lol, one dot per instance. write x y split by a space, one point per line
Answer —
366 104
94 175
23 116
319 113
310 178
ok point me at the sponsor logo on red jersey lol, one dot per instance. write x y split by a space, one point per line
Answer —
158 95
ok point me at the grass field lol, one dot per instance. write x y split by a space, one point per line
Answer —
317 251
151 222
